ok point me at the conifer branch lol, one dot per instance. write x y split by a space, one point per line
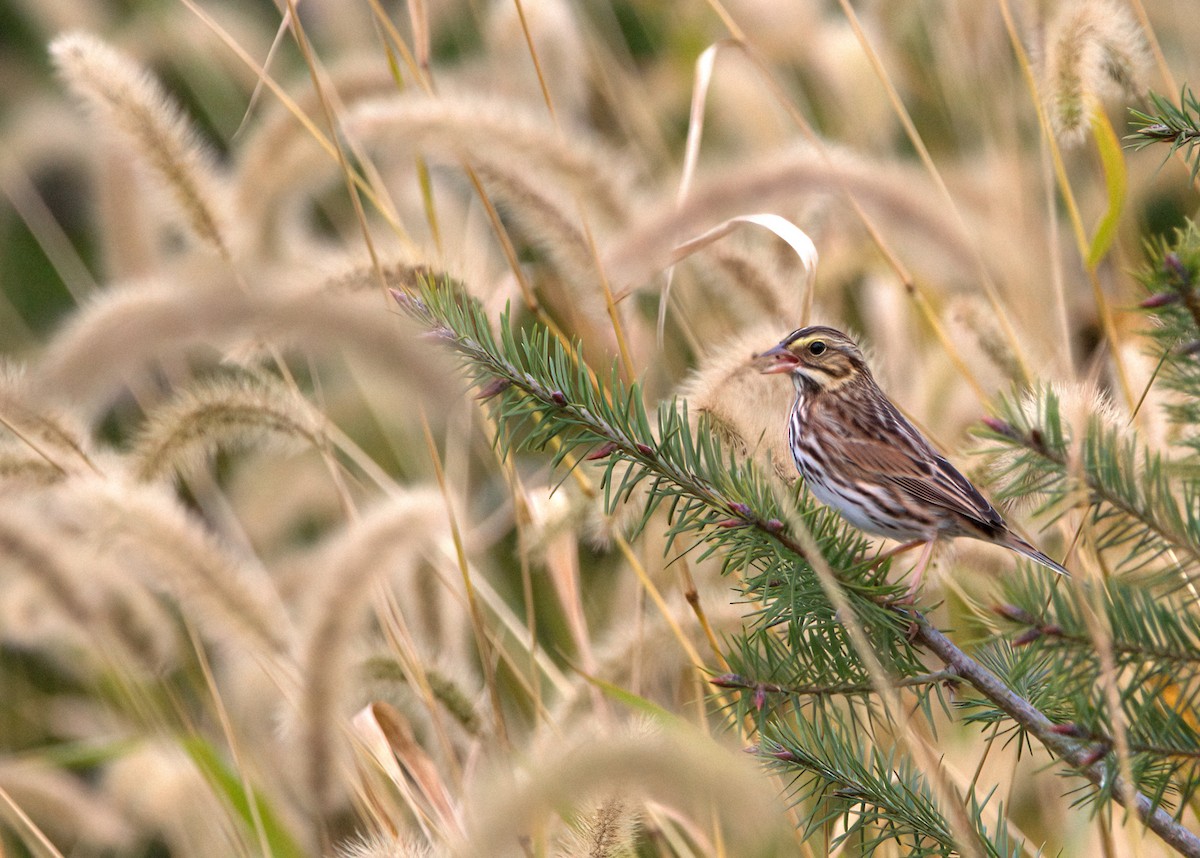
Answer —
879 797
1135 504
734 680
1170 654
1078 754
1170 279
1178 126
542 391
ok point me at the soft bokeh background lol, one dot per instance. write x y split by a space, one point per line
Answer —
179 625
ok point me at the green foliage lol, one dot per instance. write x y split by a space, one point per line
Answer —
794 673
797 651
1171 279
881 799
1143 515
1168 123
1155 645
1135 502
253 810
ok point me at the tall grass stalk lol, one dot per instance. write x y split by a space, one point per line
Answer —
521 564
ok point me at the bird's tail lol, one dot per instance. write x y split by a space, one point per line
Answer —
1020 546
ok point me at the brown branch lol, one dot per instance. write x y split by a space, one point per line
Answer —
734 680
627 442
1076 753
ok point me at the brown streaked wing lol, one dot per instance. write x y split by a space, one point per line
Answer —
907 460
949 489
949 476
963 504
874 457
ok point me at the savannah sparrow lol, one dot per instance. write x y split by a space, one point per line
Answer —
859 455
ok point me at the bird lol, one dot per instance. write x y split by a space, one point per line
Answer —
859 455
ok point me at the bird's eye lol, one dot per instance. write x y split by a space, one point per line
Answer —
816 348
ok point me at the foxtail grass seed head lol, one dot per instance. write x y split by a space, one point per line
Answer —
606 831
976 318
66 807
385 846
392 535
115 339
1094 49
510 137
743 407
681 768
223 552
235 411
38 442
126 101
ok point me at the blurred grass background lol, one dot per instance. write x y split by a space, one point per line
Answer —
78 220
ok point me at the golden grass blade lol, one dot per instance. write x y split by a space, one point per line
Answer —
379 721
418 16
280 32
703 74
33 836
29 204
478 626
796 238
691 155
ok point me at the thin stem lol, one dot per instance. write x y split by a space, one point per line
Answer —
914 137
477 623
692 596
1068 197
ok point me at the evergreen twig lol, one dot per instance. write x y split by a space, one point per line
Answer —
1168 123
725 505
1079 754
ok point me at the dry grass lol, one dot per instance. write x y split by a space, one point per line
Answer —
189 616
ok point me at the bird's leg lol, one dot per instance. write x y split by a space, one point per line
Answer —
910 597
919 570
893 552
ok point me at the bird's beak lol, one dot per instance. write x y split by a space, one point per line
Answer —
778 359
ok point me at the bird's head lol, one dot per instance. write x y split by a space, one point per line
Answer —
817 356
